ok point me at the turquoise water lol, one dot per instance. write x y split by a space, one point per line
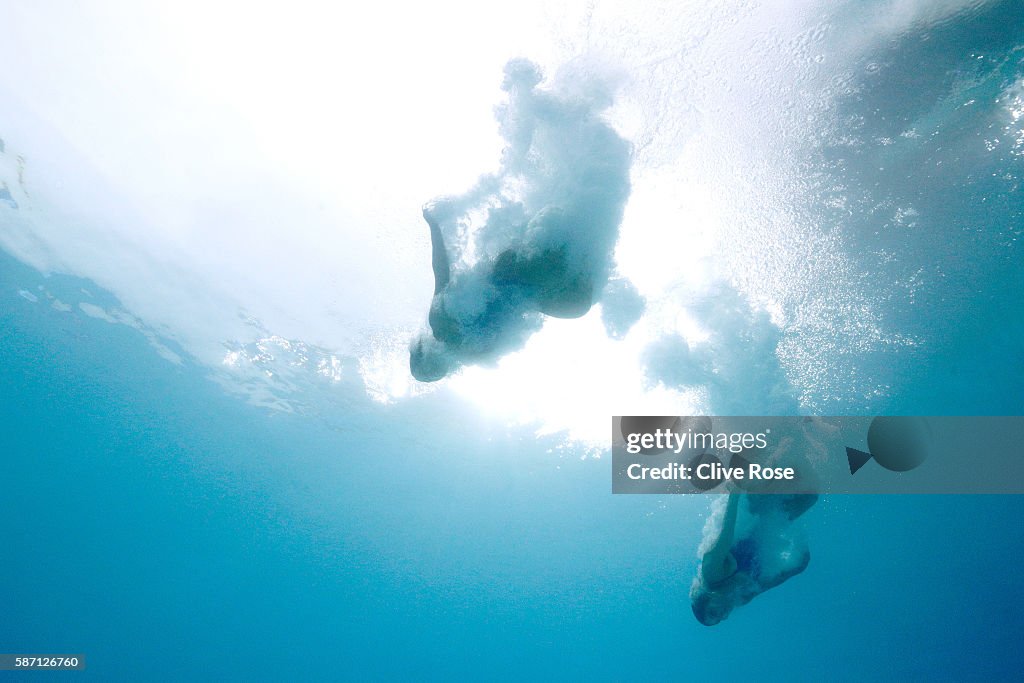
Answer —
154 521
170 532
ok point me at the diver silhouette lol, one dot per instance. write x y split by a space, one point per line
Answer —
543 228
734 571
520 282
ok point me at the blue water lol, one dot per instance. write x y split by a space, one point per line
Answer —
168 530
171 532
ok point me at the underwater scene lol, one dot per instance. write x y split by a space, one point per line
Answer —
320 326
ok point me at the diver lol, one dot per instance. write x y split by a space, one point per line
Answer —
534 239
512 289
733 572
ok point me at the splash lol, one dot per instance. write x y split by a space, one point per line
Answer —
536 238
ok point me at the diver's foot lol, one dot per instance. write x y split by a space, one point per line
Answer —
437 211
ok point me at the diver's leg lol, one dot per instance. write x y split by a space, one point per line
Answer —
718 564
443 326
558 292
439 252
570 297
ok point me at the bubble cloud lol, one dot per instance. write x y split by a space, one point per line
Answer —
741 352
533 239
